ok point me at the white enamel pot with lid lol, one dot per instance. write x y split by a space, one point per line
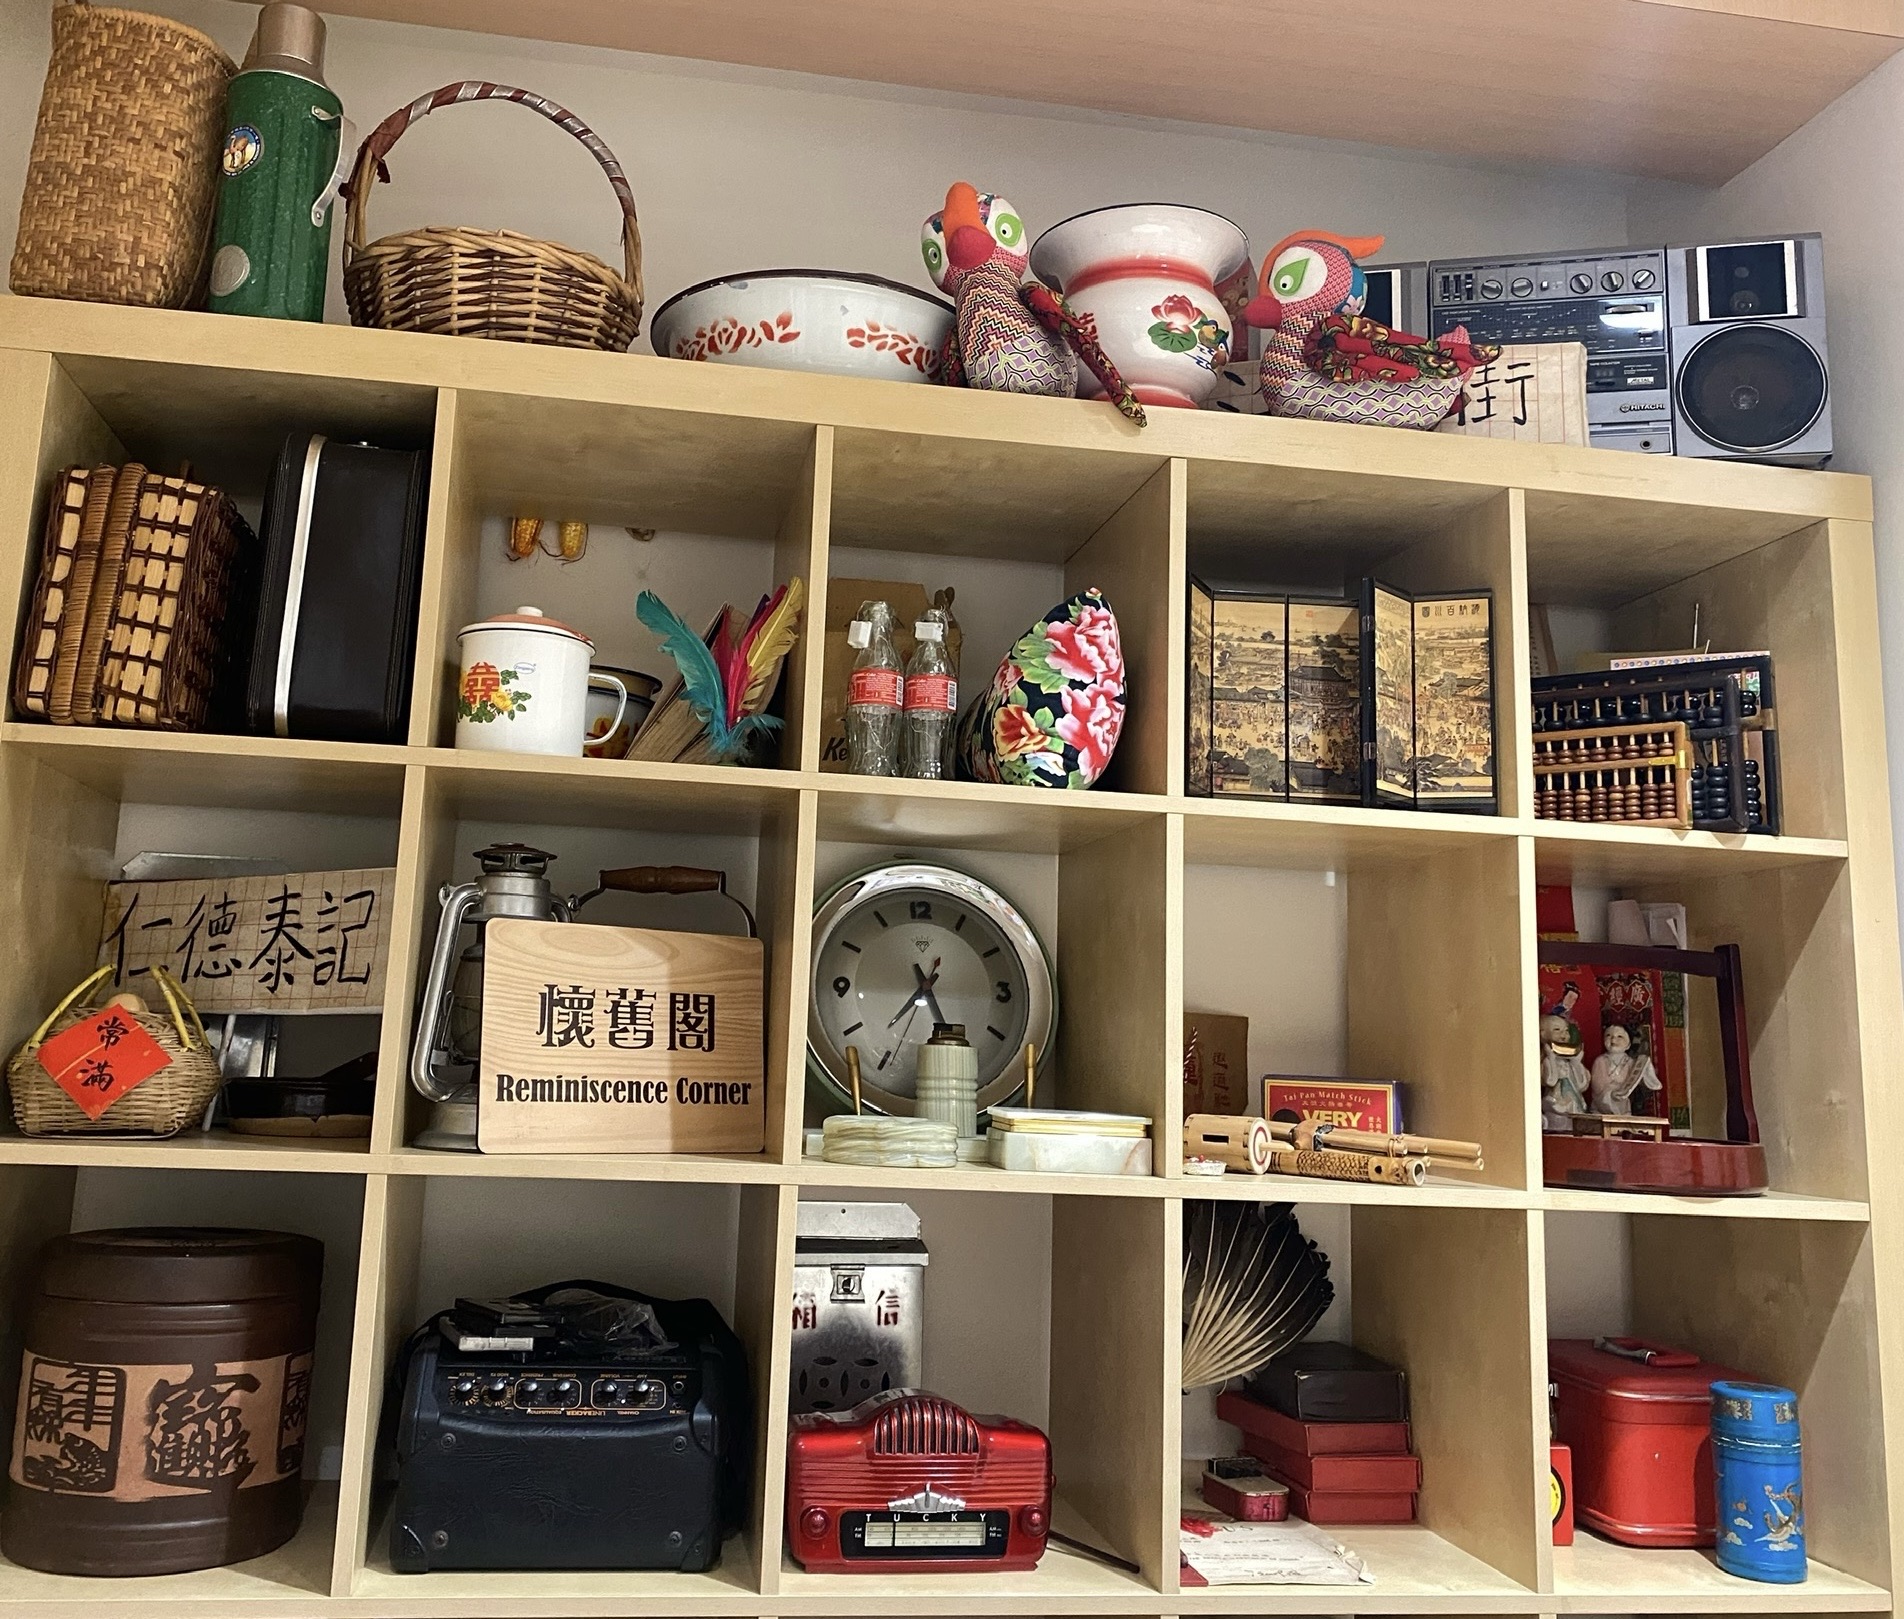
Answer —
523 686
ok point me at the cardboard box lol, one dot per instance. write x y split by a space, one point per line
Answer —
600 1039
1215 1063
844 597
1355 1104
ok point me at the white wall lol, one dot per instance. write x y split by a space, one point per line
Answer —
739 169
1837 175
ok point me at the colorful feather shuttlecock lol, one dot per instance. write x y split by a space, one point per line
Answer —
1253 1286
703 686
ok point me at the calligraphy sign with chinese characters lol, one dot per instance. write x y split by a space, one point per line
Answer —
1535 392
603 1039
100 1058
315 941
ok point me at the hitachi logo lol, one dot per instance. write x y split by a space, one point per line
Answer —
1636 409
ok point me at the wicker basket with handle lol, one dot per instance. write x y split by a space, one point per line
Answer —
122 178
462 282
173 1099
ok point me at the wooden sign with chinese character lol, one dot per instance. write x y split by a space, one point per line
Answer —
315 941
1535 392
603 1039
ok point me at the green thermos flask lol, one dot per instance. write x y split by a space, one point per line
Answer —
282 164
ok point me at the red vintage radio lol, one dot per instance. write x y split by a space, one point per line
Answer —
908 1483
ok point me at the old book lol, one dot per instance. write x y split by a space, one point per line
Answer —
1248 710
673 728
1324 698
1454 702
1388 697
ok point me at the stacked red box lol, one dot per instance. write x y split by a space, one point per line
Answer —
1337 1472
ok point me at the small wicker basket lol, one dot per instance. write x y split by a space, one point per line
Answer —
489 283
122 178
173 1099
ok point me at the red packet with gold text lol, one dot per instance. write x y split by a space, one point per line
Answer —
100 1058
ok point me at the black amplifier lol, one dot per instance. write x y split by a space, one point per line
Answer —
578 1426
1613 302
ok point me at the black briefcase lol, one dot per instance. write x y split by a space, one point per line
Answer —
343 564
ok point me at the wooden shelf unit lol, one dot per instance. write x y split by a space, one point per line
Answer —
1453 1279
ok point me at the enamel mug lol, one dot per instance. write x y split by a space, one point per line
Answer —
524 685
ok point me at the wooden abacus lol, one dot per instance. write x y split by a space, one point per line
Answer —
1627 773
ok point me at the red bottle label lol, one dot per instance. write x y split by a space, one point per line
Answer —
874 686
932 692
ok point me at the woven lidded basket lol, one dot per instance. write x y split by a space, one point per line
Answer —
139 574
173 1099
489 283
122 177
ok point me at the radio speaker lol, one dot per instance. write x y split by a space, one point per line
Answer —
1750 377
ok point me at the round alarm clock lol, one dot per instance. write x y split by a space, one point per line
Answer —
902 947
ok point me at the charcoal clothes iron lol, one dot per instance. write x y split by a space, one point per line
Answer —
513 881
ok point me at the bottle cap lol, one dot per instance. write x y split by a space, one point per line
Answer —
928 629
290 39
859 635
947 1034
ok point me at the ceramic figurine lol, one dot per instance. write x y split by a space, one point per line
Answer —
1326 361
1008 336
1563 1076
1619 1071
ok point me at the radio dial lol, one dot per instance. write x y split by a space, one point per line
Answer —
1521 287
1613 280
1644 280
463 1389
814 1522
1032 1520
1491 288
1580 281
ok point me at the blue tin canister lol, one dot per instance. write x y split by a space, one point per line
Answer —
1755 1462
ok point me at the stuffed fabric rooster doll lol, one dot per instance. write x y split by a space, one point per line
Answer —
1324 360
1007 336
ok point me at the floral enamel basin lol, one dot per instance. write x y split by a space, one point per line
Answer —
1146 274
808 320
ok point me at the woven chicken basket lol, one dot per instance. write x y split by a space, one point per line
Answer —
462 282
122 178
173 1099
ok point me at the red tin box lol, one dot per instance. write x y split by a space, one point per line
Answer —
1394 1473
908 1483
1265 1422
1352 1506
1637 1417
1560 1492
1232 1484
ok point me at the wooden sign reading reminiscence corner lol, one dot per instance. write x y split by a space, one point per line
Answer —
603 1039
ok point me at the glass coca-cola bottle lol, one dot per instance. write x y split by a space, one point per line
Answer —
931 699
875 694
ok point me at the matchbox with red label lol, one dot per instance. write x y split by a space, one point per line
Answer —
1355 1104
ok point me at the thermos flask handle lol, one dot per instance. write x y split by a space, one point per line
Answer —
433 1014
665 880
340 172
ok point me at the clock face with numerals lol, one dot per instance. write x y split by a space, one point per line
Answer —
902 947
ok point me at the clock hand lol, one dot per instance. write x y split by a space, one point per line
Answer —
914 1001
925 989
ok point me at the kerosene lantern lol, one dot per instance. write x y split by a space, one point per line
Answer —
513 881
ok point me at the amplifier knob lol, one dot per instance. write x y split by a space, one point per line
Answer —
1613 281
814 1522
1491 288
464 1388
1644 280
531 1391
566 1391
1580 281
1521 287
496 1390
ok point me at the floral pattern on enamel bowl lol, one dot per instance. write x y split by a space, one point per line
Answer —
808 320
1144 276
